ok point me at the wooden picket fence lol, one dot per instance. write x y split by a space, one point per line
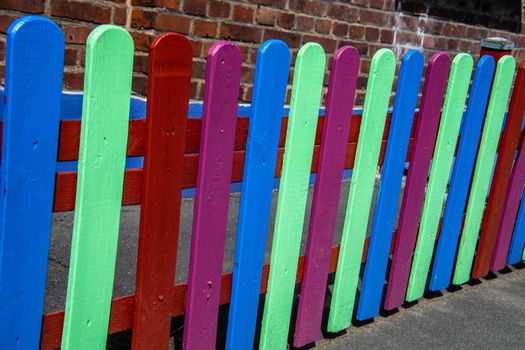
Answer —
477 181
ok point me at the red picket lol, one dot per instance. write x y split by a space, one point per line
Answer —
168 95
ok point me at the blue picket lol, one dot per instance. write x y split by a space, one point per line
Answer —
461 175
269 90
391 176
517 243
33 84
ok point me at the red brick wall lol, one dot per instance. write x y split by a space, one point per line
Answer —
366 24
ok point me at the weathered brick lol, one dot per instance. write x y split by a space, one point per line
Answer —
139 84
172 22
219 9
242 14
167 4
240 32
362 47
386 36
140 62
304 23
196 46
142 18
371 34
292 39
454 29
141 39
286 20
342 12
356 32
367 16
266 16
340 29
329 45
195 7
31 6
5 21
74 34
119 15
70 56
377 4
73 79
204 28
322 26
90 12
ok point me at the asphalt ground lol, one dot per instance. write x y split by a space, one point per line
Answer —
485 314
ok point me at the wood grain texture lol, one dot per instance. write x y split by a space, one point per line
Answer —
516 251
414 193
34 63
169 75
484 167
339 103
379 87
461 175
121 317
390 186
210 216
508 145
293 192
105 114
269 92
510 212
451 115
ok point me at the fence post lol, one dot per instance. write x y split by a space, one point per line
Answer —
269 92
414 193
101 165
451 116
390 186
375 109
33 85
210 216
328 181
461 175
170 61
484 166
293 191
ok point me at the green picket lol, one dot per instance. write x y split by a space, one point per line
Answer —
451 115
484 166
382 69
293 192
101 165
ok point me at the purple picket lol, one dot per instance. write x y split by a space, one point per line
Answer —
510 211
414 193
336 127
210 216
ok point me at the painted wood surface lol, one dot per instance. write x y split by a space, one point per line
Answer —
390 186
484 166
33 88
509 143
414 193
269 92
516 251
293 191
379 87
461 175
451 115
105 111
169 74
510 211
339 103
210 216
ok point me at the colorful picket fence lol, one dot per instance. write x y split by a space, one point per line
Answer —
430 244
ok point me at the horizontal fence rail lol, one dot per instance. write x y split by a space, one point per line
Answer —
435 160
